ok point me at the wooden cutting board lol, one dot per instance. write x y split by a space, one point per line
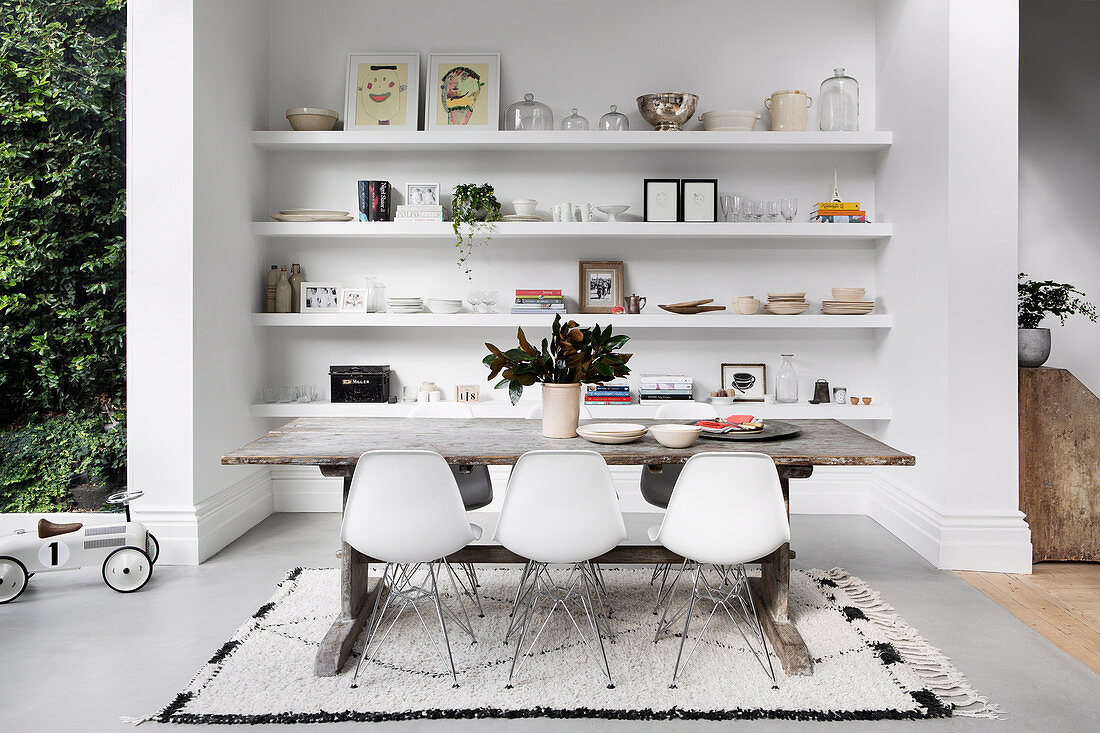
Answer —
691 307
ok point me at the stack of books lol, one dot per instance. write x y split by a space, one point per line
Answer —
612 393
839 212
658 388
538 301
418 213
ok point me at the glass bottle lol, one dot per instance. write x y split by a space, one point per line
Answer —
269 291
786 381
528 115
295 281
282 293
614 120
838 103
369 300
574 122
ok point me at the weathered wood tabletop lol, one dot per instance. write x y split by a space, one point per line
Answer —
335 444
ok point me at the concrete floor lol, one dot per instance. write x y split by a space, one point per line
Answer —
74 656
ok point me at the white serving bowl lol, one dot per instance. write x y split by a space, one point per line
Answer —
525 207
676 436
721 400
436 306
312 118
730 120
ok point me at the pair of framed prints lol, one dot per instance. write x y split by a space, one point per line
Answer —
462 91
681 199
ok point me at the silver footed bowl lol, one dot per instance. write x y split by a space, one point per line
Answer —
668 110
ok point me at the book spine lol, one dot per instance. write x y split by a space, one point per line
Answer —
666 387
839 212
537 300
607 402
608 390
826 219
554 293
823 205
664 398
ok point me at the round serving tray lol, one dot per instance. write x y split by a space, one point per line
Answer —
773 430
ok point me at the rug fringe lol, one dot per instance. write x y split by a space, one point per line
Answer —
136 721
933 667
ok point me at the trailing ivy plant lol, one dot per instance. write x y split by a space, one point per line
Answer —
62 205
572 355
1037 299
477 208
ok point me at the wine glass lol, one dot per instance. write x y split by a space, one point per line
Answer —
789 207
727 207
489 298
474 299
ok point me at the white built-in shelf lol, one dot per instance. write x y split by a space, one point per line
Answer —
625 323
502 408
560 141
631 230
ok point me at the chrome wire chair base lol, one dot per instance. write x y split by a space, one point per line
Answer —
405 586
582 592
469 585
726 587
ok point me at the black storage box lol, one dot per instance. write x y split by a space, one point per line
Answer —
360 383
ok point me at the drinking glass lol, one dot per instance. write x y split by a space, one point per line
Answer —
727 207
271 394
771 208
490 298
789 207
757 211
474 299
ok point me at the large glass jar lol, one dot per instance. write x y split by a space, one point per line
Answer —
528 115
786 381
614 120
838 103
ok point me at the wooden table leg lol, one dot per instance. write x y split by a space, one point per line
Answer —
773 593
356 601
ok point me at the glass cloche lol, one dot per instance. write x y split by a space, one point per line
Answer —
574 122
528 115
838 103
614 120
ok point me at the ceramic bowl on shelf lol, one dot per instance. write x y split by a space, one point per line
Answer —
312 118
525 207
676 436
721 400
613 211
849 294
443 306
746 306
730 120
667 110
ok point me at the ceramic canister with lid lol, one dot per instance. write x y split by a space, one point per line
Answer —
788 109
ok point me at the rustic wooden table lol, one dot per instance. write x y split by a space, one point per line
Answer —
335 444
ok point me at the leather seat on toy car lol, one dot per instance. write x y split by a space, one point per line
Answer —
49 529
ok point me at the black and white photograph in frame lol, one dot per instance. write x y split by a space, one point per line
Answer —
600 287
699 199
661 201
422 194
353 300
745 382
318 297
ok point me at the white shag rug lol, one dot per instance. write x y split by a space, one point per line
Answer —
868 664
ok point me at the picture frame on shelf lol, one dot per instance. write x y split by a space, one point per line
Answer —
746 382
320 297
422 194
467 392
462 91
601 287
382 91
353 300
699 199
661 199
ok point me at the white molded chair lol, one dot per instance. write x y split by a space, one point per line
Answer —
535 413
727 510
561 508
404 509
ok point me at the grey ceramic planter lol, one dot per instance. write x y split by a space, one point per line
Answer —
1033 346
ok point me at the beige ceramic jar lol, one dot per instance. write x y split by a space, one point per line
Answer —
561 410
788 109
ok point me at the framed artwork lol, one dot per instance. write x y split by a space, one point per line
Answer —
382 91
746 382
661 199
422 194
601 286
462 91
699 199
353 300
318 297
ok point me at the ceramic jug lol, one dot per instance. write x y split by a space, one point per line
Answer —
788 109
634 303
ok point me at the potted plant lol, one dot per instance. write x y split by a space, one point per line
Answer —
477 208
1036 300
572 356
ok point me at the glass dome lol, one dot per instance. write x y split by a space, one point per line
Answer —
528 115
574 122
614 120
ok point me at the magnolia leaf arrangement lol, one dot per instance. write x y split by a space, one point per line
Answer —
1037 299
476 207
571 355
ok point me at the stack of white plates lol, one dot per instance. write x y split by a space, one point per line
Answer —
847 307
612 433
444 305
311 215
521 217
786 304
404 305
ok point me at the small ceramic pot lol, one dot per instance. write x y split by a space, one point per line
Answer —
1033 346
525 207
788 109
561 410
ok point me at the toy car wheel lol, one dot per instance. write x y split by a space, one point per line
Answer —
152 547
13 579
127 569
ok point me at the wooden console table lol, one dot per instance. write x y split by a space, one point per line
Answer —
335 444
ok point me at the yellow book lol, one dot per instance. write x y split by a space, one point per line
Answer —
843 205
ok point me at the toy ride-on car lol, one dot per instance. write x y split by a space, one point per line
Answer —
126 550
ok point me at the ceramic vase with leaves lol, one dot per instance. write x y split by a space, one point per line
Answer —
1034 301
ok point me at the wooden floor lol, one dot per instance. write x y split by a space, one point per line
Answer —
1060 600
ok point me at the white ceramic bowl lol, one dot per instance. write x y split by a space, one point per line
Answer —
436 306
676 436
312 118
525 207
721 400
746 307
731 120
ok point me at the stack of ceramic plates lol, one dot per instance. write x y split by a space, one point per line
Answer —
521 217
311 215
612 433
847 308
444 305
786 304
404 305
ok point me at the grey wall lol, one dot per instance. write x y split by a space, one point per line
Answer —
1060 164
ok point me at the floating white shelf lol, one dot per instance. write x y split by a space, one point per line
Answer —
579 230
713 320
502 408
559 141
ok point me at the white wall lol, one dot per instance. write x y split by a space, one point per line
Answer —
1060 165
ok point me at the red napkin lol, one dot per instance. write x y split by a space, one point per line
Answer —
739 419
